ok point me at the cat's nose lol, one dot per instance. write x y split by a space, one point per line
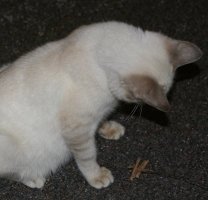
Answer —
165 108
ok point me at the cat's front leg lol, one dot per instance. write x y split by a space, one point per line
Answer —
34 183
111 130
84 150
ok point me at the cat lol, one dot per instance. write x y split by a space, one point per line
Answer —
55 98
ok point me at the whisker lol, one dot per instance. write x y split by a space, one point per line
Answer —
132 112
140 113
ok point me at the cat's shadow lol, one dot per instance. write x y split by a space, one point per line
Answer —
186 72
147 112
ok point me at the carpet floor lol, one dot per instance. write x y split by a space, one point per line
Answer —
175 143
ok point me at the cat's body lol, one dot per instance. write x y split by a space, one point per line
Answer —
54 98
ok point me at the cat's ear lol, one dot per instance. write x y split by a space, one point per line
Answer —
183 52
149 91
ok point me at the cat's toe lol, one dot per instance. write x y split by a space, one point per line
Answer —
104 179
39 182
111 130
36 183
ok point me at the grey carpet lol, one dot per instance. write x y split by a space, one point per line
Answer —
176 143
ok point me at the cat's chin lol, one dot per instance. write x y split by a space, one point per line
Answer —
163 108
133 100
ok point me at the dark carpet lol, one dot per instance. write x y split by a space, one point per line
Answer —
176 143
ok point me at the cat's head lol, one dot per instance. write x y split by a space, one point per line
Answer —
142 68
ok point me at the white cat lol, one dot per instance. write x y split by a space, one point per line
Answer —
53 98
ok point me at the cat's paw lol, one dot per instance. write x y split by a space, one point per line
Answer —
111 130
35 183
104 179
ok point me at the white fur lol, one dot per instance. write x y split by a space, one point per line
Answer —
78 77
